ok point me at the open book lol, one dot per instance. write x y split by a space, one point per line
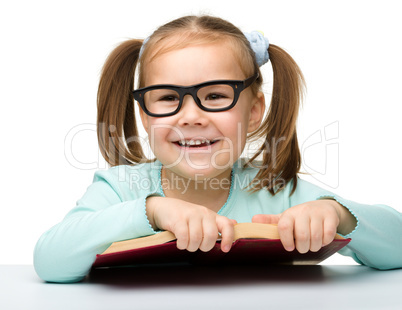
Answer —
254 243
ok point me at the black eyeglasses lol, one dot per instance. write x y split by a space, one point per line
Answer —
213 96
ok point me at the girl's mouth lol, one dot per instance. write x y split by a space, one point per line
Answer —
196 143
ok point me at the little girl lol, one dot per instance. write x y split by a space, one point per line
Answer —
200 100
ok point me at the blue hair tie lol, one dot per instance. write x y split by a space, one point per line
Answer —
259 45
258 42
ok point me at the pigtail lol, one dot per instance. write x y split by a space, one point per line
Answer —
281 154
116 126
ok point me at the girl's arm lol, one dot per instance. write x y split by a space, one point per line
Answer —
65 252
113 210
313 216
377 235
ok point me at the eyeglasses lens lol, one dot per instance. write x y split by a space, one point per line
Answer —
214 97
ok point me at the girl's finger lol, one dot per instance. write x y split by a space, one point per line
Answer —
302 234
316 234
226 228
210 234
181 233
195 235
285 230
329 230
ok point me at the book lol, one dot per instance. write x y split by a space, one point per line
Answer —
254 243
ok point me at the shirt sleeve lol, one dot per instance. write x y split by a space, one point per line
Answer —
66 252
377 237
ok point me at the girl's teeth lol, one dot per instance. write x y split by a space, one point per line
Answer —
194 142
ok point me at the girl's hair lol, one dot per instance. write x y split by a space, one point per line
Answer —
116 125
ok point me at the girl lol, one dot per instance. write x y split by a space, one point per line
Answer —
200 101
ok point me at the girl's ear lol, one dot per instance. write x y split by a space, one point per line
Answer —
256 112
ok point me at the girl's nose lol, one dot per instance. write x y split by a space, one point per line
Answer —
190 113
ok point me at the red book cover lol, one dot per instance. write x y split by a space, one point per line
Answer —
243 251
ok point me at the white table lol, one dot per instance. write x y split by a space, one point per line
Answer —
283 287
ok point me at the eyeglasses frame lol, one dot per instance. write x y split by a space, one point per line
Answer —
237 85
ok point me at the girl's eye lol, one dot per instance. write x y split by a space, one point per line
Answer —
215 97
161 96
169 98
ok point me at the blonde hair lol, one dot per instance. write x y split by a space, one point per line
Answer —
117 130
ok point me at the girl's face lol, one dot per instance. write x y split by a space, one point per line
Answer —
226 131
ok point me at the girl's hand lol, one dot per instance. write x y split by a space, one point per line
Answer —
310 225
195 226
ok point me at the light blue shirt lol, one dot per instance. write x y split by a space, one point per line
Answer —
113 209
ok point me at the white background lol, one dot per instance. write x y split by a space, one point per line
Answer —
52 53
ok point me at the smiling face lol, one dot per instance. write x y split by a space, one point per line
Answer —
193 143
